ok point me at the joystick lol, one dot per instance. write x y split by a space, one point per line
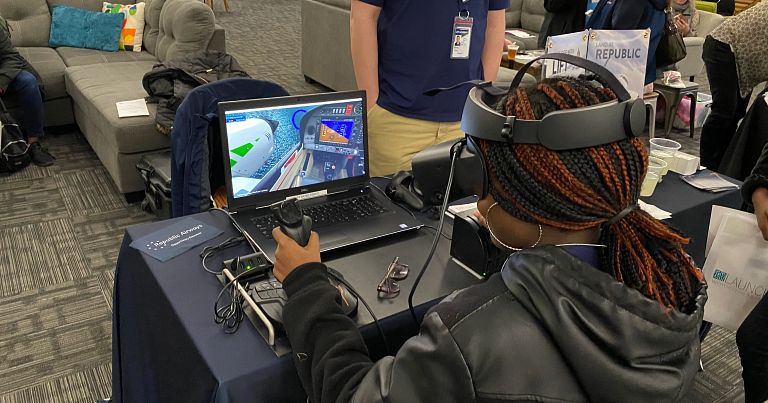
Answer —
268 293
292 221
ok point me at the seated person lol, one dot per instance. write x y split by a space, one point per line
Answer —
686 16
600 304
19 79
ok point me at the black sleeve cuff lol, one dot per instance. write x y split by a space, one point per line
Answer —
750 185
305 276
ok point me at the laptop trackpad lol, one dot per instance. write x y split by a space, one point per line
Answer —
334 239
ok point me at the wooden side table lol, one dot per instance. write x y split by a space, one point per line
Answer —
672 97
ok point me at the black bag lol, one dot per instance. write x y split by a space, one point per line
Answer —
671 47
13 147
155 169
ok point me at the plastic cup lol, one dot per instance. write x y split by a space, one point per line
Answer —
665 149
649 184
657 166
512 51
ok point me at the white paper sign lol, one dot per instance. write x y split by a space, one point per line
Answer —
571 44
624 53
136 107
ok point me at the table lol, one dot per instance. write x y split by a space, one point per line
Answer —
521 59
691 208
166 347
672 97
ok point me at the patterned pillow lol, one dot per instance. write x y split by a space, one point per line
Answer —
133 24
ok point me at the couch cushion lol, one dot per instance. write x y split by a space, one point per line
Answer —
533 15
30 21
152 24
513 13
96 88
93 5
186 26
50 67
80 57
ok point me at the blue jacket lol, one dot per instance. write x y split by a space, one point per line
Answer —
196 157
633 14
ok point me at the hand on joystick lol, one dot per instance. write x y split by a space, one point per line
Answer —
296 244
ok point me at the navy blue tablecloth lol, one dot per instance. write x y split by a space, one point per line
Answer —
691 208
167 348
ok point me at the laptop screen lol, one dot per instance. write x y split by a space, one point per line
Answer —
302 144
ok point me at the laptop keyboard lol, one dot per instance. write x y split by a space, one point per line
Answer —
336 212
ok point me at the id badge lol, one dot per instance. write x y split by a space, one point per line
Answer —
462 37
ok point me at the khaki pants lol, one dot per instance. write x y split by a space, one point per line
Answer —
393 140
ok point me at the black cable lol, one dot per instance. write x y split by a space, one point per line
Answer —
210 250
335 274
230 316
455 150
435 229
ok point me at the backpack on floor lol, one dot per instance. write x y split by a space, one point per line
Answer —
13 147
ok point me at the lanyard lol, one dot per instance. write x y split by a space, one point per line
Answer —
462 9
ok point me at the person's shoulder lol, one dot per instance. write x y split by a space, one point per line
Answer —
469 301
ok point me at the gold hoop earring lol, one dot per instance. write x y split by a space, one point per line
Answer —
499 241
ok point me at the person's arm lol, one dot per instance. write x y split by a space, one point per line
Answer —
363 22
494 44
329 352
755 191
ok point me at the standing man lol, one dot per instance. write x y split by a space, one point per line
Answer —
401 48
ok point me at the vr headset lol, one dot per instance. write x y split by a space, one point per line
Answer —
570 129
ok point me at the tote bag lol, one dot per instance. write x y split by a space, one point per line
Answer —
736 270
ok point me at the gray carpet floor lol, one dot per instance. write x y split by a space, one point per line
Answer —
61 227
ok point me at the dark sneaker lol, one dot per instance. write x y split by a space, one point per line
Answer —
40 155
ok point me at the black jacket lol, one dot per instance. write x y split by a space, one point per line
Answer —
744 149
549 327
758 177
11 62
563 17
169 83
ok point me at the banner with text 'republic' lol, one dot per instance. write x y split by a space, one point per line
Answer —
623 52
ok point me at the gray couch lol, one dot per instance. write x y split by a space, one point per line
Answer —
693 65
526 16
325 52
83 85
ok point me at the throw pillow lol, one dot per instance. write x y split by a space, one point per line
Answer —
80 28
133 26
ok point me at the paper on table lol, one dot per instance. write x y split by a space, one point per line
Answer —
654 211
718 212
460 208
518 33
136 107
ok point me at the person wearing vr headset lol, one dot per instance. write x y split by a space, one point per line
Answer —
597 302
401 48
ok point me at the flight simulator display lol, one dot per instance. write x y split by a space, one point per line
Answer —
284 147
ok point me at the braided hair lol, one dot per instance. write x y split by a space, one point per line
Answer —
581 189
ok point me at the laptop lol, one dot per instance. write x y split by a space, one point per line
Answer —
313 148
